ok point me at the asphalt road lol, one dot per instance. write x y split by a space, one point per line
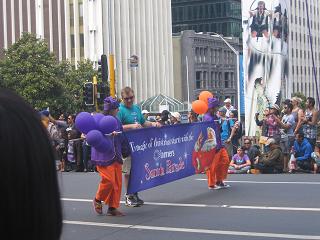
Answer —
255 207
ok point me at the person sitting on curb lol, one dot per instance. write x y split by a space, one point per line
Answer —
272 161
240 162
301 154
316 157
252 150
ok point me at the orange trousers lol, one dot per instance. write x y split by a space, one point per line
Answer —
109 189
218 170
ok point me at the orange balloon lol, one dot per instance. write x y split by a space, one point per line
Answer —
199 106
204 95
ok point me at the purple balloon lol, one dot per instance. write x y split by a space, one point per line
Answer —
108 124
85 122
106 147
94 137
97 117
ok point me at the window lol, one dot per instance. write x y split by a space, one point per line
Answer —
198 79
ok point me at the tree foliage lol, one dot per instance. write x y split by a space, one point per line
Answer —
32 71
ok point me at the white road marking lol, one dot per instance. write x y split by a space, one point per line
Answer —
304 183
194 230
210 206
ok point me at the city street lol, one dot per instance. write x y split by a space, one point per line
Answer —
255 207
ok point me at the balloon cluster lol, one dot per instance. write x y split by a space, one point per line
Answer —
201 106
95 127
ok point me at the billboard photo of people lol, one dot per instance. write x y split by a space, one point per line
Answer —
265 56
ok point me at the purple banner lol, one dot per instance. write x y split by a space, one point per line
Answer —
162 155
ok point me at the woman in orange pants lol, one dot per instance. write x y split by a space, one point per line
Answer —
218 170
109 166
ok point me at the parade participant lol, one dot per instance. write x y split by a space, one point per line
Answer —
110 169
218 170
30 195
131 117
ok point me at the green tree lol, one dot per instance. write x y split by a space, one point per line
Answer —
31 70
72 80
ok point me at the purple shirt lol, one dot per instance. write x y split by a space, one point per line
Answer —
107 158
238 160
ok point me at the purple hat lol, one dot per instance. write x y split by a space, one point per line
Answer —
110 103
213 102
45 113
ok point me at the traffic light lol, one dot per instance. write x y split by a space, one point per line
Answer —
103 68
102 92
88 94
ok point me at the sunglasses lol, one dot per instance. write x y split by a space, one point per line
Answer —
246 143
128 98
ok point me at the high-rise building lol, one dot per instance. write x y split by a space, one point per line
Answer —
42 17
136 32
304 48
223 17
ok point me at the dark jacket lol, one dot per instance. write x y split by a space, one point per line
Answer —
273 158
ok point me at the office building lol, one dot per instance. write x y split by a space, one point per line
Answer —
136 32
223 17
204 62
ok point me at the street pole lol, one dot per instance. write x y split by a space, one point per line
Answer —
238 71
111 55
188 94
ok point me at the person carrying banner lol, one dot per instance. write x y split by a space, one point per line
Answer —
110 169
131 117
218 170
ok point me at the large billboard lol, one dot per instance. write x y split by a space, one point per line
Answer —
265 56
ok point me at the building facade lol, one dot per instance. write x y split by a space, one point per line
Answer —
204 62
304 57
223 17
86 29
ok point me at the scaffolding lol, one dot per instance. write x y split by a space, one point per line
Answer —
162 102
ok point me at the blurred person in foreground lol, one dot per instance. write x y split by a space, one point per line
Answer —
29 188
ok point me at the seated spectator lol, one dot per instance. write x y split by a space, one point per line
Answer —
272 161
316 158
301 153
253 151
240 162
